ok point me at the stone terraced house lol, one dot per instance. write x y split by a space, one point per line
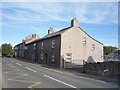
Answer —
69 47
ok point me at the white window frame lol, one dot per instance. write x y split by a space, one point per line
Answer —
68 57
53 57
93 46
33 56
53 43
42 45
41 56
34 45
84 40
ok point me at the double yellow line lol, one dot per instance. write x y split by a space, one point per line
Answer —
65 73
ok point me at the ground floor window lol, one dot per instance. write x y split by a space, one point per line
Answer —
41 56
53 57
68 57
33 56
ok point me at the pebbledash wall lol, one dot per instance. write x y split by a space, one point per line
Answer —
69 47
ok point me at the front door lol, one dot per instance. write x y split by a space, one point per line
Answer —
46 57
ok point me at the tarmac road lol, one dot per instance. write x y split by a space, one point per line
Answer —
18 74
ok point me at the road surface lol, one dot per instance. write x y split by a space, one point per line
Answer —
18 74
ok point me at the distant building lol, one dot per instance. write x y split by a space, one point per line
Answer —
68 47
31 38
113 56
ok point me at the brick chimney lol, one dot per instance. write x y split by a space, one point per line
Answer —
74 23
51 30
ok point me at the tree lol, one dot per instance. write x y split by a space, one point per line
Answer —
7 50
108 49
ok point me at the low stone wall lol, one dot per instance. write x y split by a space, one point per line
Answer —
103 68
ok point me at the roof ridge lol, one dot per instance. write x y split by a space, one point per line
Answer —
52 34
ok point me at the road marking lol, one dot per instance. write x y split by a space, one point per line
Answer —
10 60
7 72
60 81
19 64
18 76
13 61
17 60
38 83
65 73
30 69
6 65
24 81
21 75
19 80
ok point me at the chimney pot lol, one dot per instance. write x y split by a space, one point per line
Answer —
51 30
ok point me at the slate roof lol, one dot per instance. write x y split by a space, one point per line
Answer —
56 33
52 34
59 33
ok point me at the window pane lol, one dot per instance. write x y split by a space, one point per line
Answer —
42 45
53 43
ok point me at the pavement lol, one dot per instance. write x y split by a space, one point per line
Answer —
19 74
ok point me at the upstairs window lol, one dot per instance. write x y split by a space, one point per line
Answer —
34 45
42 45
53 43
25 47
16 48
84 40
93 46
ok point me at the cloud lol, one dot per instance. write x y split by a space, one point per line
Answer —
37 16
109 42
100 13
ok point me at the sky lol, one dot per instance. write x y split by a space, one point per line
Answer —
20 19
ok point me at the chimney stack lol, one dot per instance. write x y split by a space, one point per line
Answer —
51 30
74 23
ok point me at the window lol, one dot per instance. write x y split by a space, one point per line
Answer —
93 46
68 54
25 48
16 48
53 43
53 57
84 40
34 45
68 57
41 56
42 45
33 56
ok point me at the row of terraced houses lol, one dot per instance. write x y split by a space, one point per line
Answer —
69 47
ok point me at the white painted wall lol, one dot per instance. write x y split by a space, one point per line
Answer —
72 42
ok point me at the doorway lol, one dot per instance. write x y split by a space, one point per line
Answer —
46 57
